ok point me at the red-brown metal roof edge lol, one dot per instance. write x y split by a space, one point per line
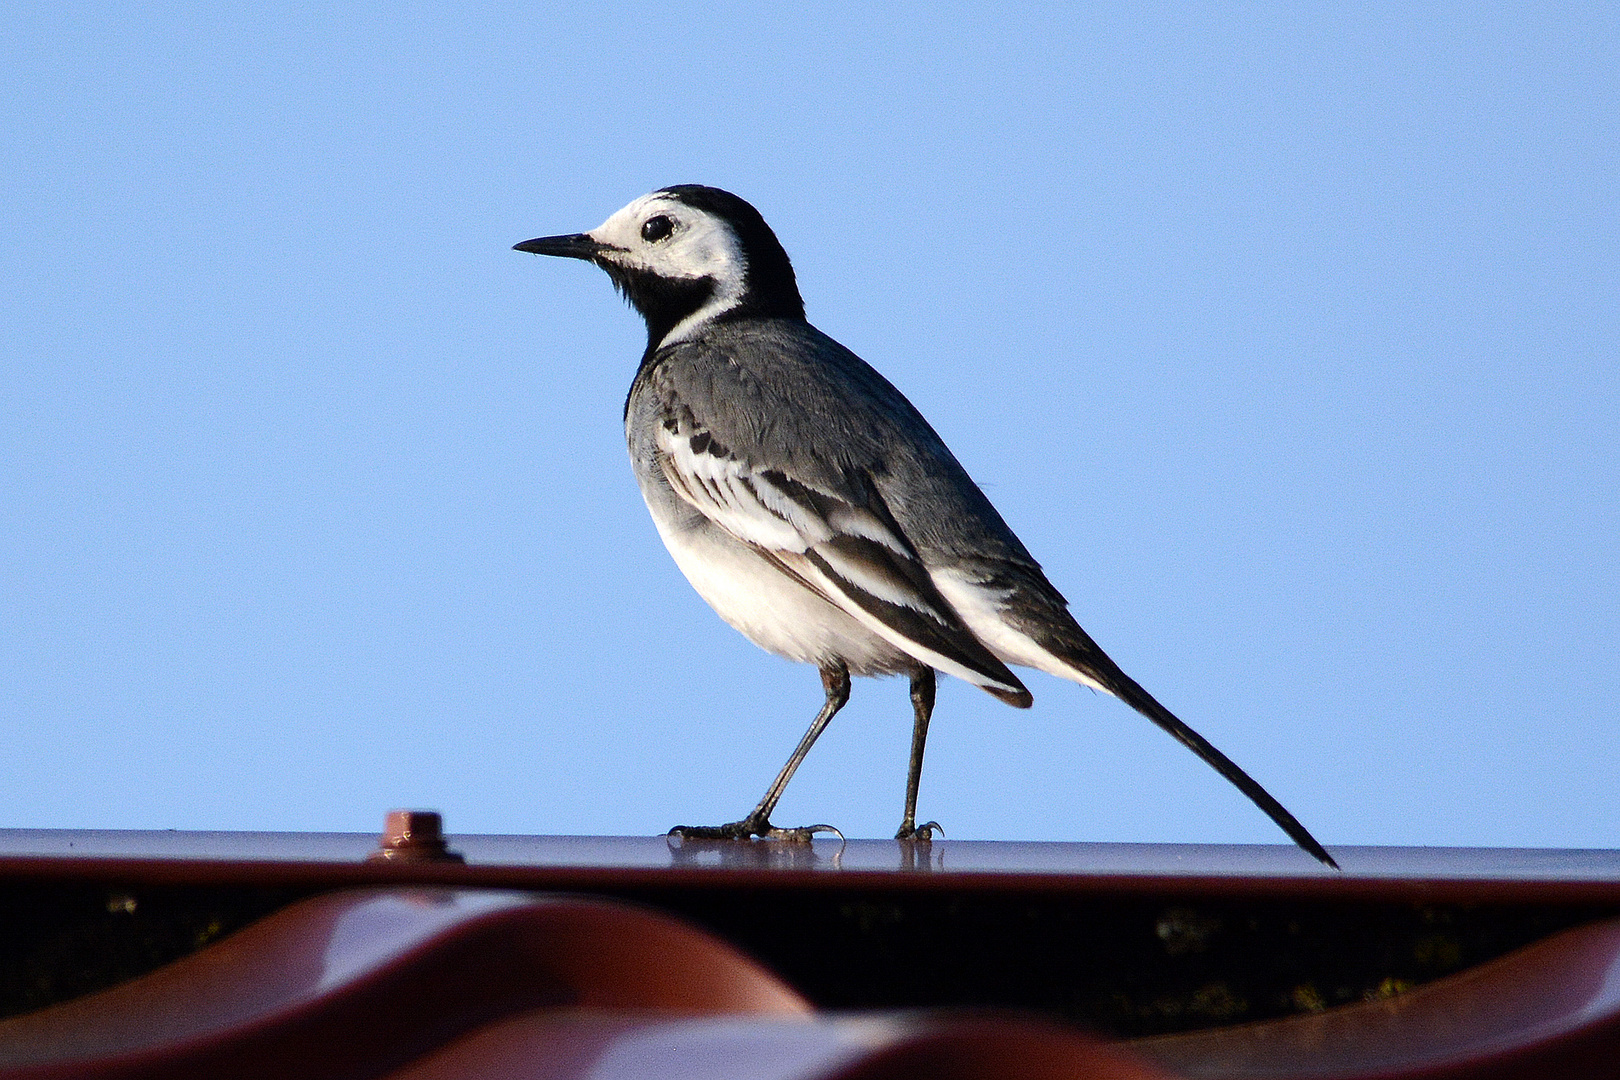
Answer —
330 860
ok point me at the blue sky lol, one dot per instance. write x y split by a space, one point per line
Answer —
1285 338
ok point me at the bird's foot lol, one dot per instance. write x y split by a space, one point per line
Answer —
750 827
801 834
924 832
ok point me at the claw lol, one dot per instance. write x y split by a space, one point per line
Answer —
749 828
923 833
801 835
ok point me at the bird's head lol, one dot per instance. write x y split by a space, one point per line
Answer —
687 256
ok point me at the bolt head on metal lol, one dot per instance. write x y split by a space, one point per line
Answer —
414 836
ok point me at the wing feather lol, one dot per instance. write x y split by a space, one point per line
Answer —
843 545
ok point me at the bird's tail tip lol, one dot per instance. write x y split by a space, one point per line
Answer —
1320 854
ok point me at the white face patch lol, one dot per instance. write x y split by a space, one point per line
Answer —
697 245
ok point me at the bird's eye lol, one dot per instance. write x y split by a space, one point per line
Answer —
656 229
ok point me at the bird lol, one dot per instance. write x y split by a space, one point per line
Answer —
811 505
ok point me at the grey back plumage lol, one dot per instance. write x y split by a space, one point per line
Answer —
780 394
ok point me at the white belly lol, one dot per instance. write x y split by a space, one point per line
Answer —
771 609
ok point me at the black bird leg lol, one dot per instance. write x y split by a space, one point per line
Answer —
922 705
835 679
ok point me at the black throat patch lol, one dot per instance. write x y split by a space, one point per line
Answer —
662 301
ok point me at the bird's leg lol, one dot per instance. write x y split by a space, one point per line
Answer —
922 705
835 679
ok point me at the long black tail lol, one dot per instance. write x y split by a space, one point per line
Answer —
1126 689
1033 607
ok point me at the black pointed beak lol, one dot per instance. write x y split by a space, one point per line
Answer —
573 246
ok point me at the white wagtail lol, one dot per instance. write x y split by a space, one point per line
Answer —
811 504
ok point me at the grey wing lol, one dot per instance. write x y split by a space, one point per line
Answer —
825 525
782 393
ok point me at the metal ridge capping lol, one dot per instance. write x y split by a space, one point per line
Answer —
542 861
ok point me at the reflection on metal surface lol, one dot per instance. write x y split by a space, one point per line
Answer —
365 937
1275 862
541 1046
